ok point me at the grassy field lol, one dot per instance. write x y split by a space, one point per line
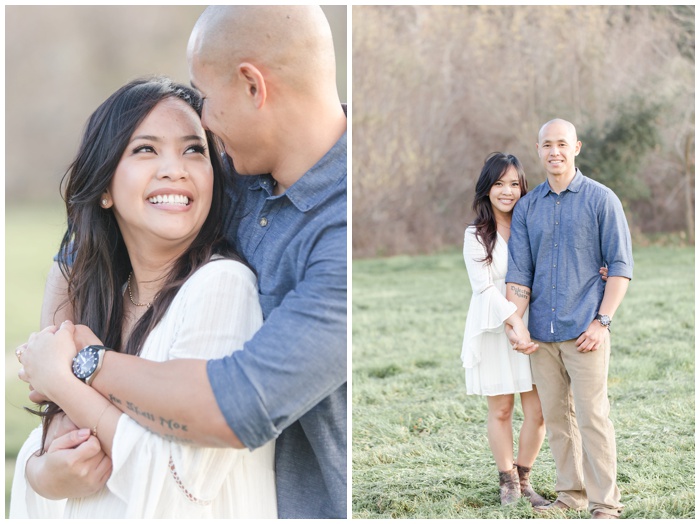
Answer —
32 236
419 447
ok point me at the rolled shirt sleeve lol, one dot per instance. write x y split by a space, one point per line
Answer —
296 359
521 266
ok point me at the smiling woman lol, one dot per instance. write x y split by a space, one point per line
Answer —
147 270
492 369
161 192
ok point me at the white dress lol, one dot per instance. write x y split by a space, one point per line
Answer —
491 365
215 311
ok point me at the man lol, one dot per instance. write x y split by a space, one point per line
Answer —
267 76
561 234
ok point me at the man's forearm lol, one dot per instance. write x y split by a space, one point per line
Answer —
615 290
173 399
518 295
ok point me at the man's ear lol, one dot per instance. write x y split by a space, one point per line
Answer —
254 83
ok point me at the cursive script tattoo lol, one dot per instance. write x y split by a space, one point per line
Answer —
167 428
520 292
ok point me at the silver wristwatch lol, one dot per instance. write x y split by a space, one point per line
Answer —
604 320
88 362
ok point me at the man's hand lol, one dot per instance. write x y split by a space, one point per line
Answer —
74 465
592 338
47 359
519 335
83 336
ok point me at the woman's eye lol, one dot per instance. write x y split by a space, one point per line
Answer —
196 149
144 149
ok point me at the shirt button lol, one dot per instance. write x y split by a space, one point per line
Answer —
554 265
554 286
555 245
556 223
263 221
557 202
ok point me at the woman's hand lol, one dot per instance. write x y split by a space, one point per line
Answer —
519 336
60 425
73 466
604 273
47 359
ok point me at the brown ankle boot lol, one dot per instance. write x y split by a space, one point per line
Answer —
509 486
526 488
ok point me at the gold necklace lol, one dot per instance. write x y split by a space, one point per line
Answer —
131 296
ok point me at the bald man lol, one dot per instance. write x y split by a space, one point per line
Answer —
267 77
562 232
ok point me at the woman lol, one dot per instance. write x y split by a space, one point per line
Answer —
151 275
491 365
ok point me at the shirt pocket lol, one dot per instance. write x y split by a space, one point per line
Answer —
584 235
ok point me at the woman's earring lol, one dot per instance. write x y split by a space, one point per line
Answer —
104 202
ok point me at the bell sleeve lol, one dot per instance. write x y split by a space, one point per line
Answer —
488 308
25 503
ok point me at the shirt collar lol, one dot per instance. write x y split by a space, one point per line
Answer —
574 186
314 186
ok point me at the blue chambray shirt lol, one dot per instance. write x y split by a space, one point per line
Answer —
557 245
289 382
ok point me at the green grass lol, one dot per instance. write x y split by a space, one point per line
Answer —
32 236
419 447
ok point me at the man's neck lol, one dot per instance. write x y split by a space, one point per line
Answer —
559 183
307 146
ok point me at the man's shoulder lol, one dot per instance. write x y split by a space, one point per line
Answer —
596 188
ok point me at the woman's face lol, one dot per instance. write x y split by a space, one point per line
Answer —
505 192
161 191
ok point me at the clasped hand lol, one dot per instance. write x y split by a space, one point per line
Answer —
72 465
47 356
521 342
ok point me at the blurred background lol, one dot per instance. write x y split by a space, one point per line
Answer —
438 88
60 64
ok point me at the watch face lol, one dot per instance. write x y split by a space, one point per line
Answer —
85 362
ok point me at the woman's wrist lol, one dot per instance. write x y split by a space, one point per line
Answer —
32 472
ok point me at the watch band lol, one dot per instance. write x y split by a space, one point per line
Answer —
100 358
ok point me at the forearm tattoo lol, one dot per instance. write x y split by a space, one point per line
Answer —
167 428
520 292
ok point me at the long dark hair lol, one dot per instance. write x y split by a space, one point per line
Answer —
93 257
495 166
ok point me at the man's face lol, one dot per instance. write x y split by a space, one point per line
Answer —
224 112
557 149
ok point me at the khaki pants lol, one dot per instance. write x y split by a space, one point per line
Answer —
573 391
